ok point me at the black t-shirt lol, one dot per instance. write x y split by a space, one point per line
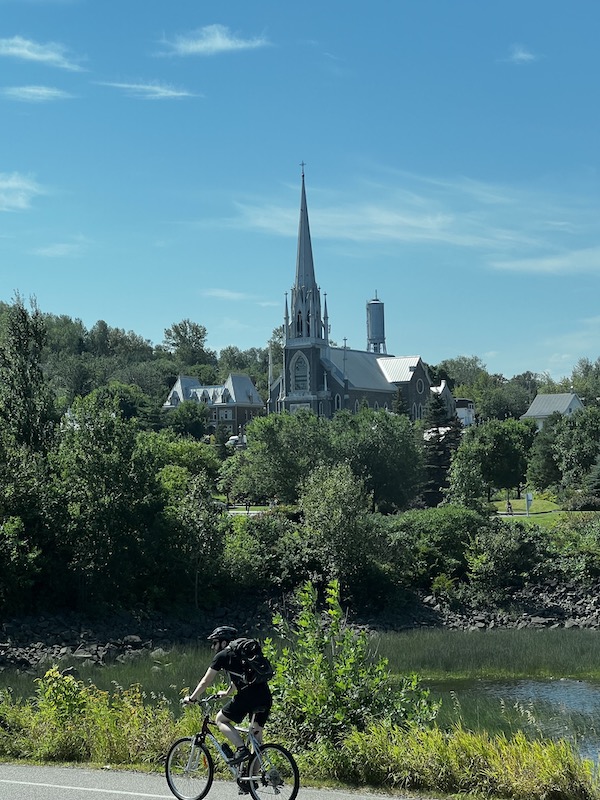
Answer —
232 664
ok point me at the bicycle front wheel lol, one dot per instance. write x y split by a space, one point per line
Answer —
272 772
189 768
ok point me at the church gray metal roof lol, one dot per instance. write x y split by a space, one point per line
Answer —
360 367
370 371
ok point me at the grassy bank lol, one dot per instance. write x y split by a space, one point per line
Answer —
500 751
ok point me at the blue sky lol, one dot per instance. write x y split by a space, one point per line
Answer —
150 168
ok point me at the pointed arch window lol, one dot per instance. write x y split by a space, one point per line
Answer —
338 402
300 373
299 324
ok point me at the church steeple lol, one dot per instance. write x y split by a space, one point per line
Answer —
305 321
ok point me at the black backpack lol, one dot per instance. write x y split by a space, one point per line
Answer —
257 667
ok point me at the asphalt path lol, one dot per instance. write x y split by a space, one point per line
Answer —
24 782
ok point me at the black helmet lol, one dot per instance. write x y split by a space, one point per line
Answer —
223 633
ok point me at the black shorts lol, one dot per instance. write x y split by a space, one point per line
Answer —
246 701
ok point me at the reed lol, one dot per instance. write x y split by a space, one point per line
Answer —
493 654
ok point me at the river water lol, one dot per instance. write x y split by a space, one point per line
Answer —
561 708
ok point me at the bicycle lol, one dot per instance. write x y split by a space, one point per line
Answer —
270 770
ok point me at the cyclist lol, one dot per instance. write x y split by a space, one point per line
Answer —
251 697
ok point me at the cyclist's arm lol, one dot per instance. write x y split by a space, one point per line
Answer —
227 692
207 680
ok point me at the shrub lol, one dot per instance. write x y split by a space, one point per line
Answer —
503 557
328 680
437 538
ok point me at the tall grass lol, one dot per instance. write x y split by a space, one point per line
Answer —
493 654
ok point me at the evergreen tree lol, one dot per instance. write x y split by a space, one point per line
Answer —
441 439
26 401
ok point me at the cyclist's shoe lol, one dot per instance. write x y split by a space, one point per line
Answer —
243 789
241 754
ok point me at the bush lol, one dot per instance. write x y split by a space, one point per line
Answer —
503 557
432 543
328 680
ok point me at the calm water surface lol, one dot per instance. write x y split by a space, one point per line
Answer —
561 708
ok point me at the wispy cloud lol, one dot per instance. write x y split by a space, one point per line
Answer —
149 91
567 346
238 297
52 53
225 294
17 191
501 227
212 40
567 263
34 94
73 249
520 55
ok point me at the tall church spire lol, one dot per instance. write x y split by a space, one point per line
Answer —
305 321
305 271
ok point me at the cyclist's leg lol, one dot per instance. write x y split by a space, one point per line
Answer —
225 724
259 718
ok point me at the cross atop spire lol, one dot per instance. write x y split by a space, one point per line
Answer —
303 164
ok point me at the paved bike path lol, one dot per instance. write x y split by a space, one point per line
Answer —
24 782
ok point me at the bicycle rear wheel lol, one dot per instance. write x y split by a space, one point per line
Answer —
189 769
273 773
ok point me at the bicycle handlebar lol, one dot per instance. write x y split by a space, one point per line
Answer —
202 701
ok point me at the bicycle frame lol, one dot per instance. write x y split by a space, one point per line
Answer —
206 733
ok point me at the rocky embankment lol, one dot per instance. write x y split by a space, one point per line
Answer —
30 643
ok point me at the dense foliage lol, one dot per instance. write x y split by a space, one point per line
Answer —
106 499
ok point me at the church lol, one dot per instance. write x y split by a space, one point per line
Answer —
324 378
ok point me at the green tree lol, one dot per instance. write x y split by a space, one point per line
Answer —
577 445
441 439
190 418
197 538
329 681
383 451
283 449
543 471
461 371
336 511
501 451
585 381
435 540
187 340
27 410
466 482
105 503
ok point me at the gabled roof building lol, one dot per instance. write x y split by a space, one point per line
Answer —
544 405
323 378
232 404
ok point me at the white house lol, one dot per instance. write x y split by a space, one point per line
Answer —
565 403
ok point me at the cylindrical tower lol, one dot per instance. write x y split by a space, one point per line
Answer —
375 326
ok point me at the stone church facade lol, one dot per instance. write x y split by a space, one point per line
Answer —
324 379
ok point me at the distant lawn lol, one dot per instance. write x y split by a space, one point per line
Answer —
539 506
